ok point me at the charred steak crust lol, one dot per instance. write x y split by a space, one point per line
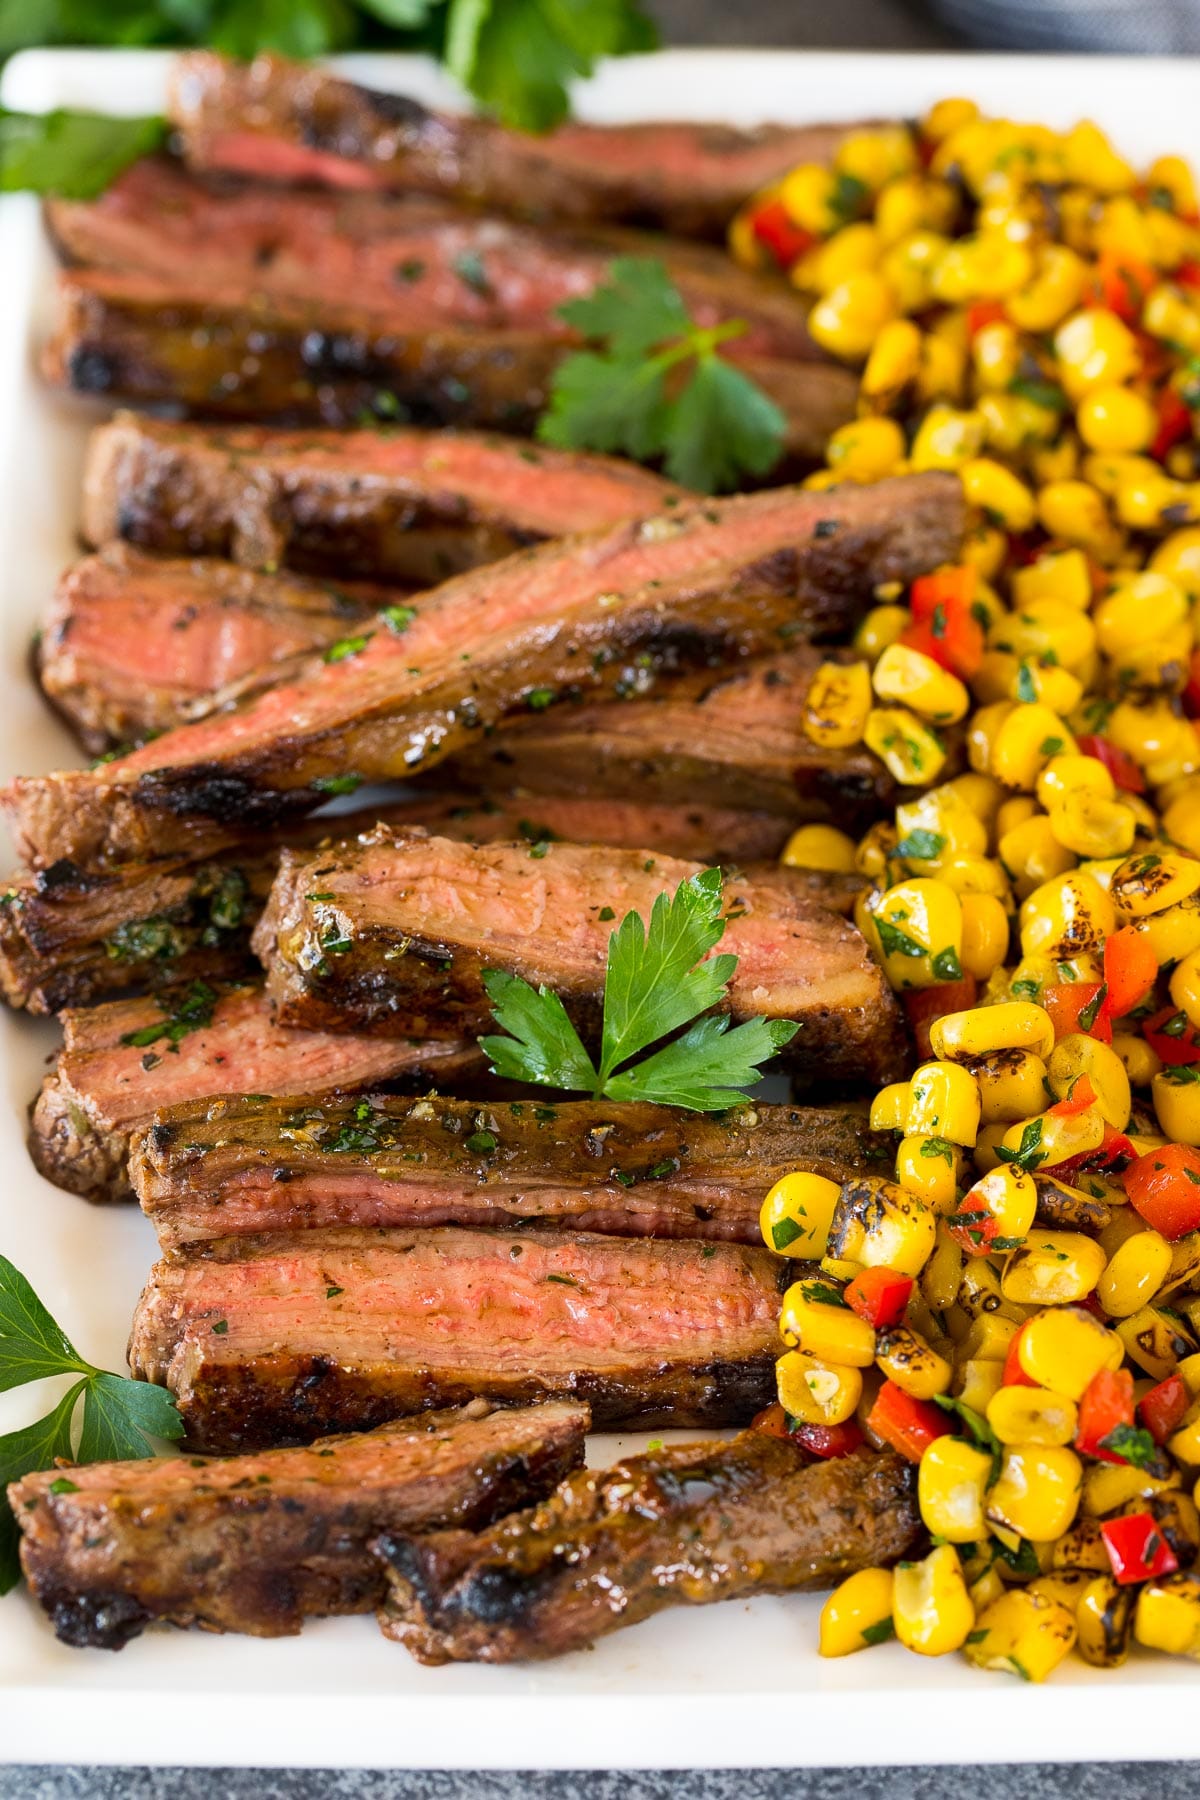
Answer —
684 1525
284 1338
259 1543
224 1167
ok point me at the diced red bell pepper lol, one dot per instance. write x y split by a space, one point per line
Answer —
1172 1039
1174 422
778 232
908 1425
1107 1402
1161 1410
1164 1187
1081 1096
944 627
1114 1153
924 1006
1137 1549
772 1421
1187 274
830 1441
1077 1006
1130 971
1118 762
982 313
1121 283
1014 1375
879 1296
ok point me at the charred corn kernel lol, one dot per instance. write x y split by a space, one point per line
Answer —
911 752
985 267
1091 826
1068 916
946 439
1022 1633
837 703
832 1333
889 1108
1061 575
1037 1490
978 1380
816 1392
1062 1348
1082 1548
1077 1054
880 1225
1094 349
1025 1415
998 1213
1140 1062
1059 275
1152 880
1053 1268
941 1277
857 1613
1115 419
1015 812
1168 314
1074 774
866 449
931 1608
979 1295
915 680
1121 619
1064 1585
820 847
876 156
983 727
847 320
999 493
984 934
881 627
1076 513
908 267
1107 1487
848 252
1189 1369
1032 854
1176 1095
929 1167
912 1364
1167 1616
796 1215
1154 1342
894 362
1046 632
876 849
1103 1619
1025 742
1013 1025
1010 1085
1178 557
989 1339
1174 933
944 1102
951 1482
809 197
1184 987
1134 1274
917 926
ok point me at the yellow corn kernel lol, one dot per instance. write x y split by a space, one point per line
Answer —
819 847
1014 812
1121 619
907 266
849 251
1168 1614
1032 855
946 813
1064 1585
1184 1444
1054 291
1068 916
1150 881
1064 776
986 267
1184 987
1047 632
1091 826
1092 161
995 354
881 627
1022 1633
1178 557
984 934
974 875
866 449
941 1277
1174 933
832 1333
837 703
978 1379
893 363
1173 176
1062 1348
1047 684
1053 1269
915 680
1055 462
889 1108
857 1613
1135 1272
945 117
880 1225
944 1102
1150 502
989 1339
1076 1055
917 927
1107 1487
929 1167
1176 1095
1055 1138
1115 419
1111 470
997 1212
931 1608
981 1031
946 439
1025 1415
847 320
912 754
809 196
1037 1490
1076 513
1010 1085
951 1483
797 1213
1154 1342
997 492
1061 575
1169 315
877 155
1140 1062
814 1391
876 849
1103 1617
1025 742
906 1359
983 727
1095 349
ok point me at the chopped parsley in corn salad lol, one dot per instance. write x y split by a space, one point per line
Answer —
1017 1312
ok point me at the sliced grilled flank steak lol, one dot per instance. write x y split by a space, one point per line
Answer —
396 505
684 1524
260 1543
279 1339
281 121
133 645
122 1062
736 736
235 352
223 1168
411 262
394 932
705 582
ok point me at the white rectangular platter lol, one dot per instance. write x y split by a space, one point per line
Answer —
734 1685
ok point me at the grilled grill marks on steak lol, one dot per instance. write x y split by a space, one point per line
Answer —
397 505
105 1084
280 1339
687 1524
282 121
702 583
394 933
259 1543
226 1167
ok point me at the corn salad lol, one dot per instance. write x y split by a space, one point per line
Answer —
1017 1311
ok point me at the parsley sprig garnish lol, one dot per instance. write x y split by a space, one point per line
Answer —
708 423
101 1417
657 981
72 154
